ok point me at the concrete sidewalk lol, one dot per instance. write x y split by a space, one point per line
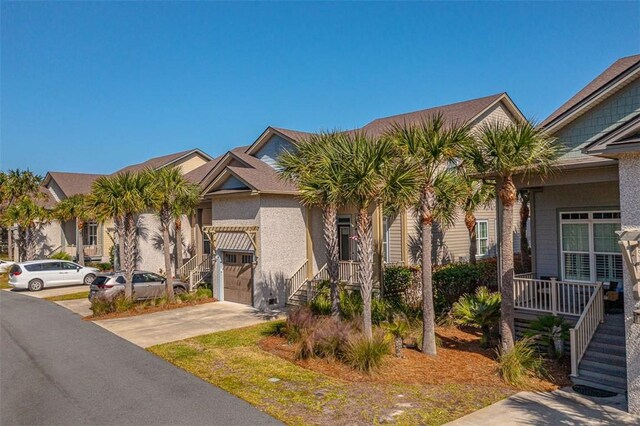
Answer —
561 407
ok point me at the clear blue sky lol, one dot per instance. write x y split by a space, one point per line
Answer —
92 87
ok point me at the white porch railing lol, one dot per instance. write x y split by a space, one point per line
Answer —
552 296
585 328
198 274
297 280
186 268
347 269
528 275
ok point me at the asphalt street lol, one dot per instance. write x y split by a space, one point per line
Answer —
56 369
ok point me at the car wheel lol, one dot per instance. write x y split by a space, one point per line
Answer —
88 279
36 285
178 290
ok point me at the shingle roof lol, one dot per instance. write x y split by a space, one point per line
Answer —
155 162
198 174
74 183
260 175
610 74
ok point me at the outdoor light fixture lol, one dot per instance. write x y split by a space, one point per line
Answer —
630 245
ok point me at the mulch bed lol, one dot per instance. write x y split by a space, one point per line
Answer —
140 310
460 360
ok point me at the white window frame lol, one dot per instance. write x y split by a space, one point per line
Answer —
590 221
90 226
385 238
485 222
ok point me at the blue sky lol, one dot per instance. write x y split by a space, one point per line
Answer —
92 87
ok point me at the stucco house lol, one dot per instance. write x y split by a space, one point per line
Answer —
98 237
584 267
264 246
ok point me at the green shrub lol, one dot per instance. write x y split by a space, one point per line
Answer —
521 362
398 329
551 331
456 279
321 303
380 310
397 279
366 355
480 309
104 266
61 255
350 304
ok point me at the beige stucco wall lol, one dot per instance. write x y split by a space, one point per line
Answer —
150 243
48 239
630 220
191 162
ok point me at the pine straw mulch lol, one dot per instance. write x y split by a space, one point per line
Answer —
460 360
143 309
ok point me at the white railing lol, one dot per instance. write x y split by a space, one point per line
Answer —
297 280
585 328
555 297
528 275
198 274
185 269
347 272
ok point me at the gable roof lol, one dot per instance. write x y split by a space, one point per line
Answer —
162 161
71 183
622 139
199 174
618 73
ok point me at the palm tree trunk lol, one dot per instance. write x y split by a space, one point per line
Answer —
178 248
165 220
329 221
365 267
10 243
470 222
428 310
21 242
80 242
507 194
119 225
30 242
129 254
525 261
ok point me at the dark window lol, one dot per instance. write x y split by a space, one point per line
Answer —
69 265
16 268
230 258
100 280
138 278
153 278
247 258
32 268
52 266
120 280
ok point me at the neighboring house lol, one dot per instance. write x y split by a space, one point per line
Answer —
580 270
267 246
98 238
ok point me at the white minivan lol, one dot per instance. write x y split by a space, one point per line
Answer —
38 274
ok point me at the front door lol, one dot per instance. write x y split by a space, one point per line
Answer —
345 238
238 277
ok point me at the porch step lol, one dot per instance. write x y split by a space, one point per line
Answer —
604 364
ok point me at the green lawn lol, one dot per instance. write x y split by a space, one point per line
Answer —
72 296
233 361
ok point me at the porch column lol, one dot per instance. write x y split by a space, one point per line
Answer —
309 245
629 172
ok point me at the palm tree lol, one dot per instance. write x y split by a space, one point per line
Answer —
525 260
375 175
477 194
169 193
314 167
504 150
434 145
121 198
75 208
185 205
27 215
14 185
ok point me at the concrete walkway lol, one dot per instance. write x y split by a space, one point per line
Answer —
561 407
50 292
176 324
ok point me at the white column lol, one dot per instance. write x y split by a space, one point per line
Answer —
629 171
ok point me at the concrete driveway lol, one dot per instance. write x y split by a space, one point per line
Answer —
561 407
176 324
50 292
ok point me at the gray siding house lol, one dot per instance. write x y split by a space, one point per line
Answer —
585 266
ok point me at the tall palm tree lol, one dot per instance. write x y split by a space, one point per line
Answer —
184 205
504 150
122 197
27 214
478 194
434 145
525 257
314 167
169 193
375 175
75 208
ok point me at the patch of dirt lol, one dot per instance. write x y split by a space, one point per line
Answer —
460 360
141 310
